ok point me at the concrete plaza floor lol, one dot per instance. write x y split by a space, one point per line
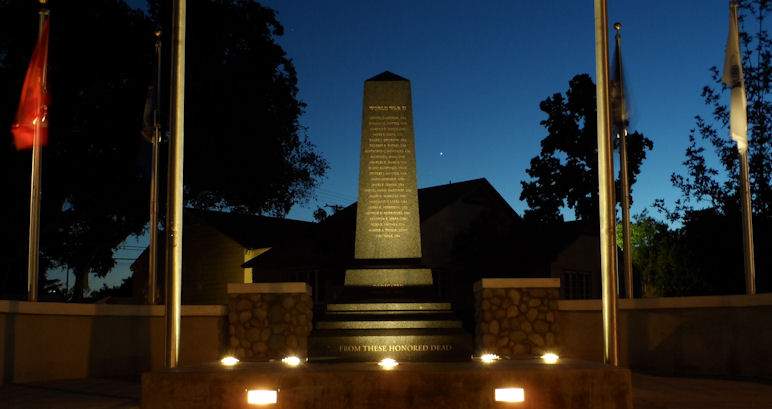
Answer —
649 392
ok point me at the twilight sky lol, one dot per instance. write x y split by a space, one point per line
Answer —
478 73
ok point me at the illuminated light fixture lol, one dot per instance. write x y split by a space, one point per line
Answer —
488 358
387 363
509 395
550 358
229 361
291 361
262 397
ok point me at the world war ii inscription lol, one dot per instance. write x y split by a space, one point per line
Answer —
387 220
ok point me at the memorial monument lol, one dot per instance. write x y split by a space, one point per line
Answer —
387 311
387 308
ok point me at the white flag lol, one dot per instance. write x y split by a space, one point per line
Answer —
733 78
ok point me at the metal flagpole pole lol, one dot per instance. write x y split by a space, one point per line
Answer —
34 200
152 274
174 204
623 171
625 185
745 190
738 127
606 190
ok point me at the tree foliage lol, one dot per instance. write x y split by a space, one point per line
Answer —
709 208
661 257
244 147
565 174
704 184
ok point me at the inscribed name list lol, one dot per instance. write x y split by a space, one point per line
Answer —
387 212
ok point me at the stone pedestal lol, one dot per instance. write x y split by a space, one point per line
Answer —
269 320
516 317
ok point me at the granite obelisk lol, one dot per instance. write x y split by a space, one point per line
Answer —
387 212
388 224
388 307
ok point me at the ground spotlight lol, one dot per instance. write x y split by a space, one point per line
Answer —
291 361
550 358
488 358
262 397
387 363
509 395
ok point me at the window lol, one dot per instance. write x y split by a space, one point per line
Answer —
576 285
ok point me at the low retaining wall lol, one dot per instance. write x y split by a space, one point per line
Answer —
44 341
705 336
269 320
516 316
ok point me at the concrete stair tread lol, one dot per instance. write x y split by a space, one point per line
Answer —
389 305
383 332
389 316
396 324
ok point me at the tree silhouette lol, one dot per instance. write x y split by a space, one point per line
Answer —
709 207
565 174
245 149
703 184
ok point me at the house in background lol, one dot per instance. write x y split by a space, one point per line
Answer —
214 247
468 231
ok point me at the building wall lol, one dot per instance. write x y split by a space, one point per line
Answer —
574 259
43 341
705 336
728 336
210 260
439 231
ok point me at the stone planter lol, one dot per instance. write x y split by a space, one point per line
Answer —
516 316
269 320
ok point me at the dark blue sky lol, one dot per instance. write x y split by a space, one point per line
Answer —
479 71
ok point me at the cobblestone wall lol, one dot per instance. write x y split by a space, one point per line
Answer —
514 322
269 326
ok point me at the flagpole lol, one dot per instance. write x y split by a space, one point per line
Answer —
34 207
745 189
606 190
174 203
745 199
623 170
153 249
738 129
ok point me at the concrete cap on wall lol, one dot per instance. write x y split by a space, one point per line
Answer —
262 288
517 283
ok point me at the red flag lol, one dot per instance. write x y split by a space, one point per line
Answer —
31 124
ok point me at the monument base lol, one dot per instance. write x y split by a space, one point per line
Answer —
402 330
567 384
386 312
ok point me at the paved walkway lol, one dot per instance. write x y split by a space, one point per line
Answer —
656 392
92 393
649 392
